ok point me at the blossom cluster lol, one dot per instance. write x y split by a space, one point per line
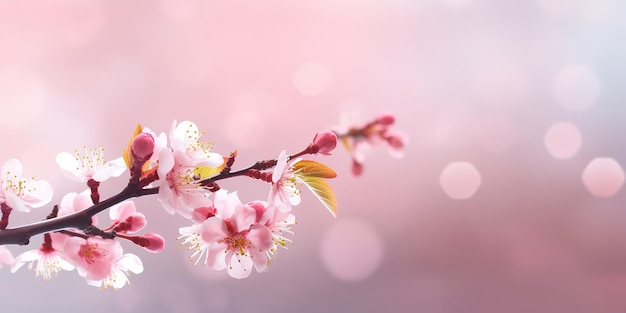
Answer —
183 172
360 139
219 230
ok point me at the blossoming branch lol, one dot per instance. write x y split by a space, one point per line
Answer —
183 173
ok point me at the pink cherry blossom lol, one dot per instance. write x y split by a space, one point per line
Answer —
185 137
359 140
190 236
49 261
90 164
279 223
180 189
283 192
118 277
93 257
232 239
5 256
20 193
237 243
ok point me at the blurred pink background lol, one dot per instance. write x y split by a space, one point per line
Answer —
509 198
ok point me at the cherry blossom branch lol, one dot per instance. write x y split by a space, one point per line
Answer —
225 233
83 219
358 140
78 220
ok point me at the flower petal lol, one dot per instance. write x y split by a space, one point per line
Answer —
217 256
14 202
239 267
27 256
130 262
110 169
213 230
70 167
11 169
40 193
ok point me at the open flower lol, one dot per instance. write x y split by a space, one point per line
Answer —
179 167
89 164
191 235
237 242
49 261
288 175
120 269
93 257
180 189
185 137
20 193
279 223
232 239
284 193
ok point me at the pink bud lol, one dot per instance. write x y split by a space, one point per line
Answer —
132 224
357 168
143 146
153 242
386 119
324 142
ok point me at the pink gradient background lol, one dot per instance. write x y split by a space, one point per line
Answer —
471 81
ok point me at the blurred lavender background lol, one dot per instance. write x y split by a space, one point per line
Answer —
509 198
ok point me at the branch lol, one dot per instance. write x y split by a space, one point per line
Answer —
78 220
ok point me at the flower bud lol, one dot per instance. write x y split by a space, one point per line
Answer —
386 119
357 168
132 224
324 142
143 146
152 242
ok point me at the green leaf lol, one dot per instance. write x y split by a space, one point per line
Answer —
310 168
322 190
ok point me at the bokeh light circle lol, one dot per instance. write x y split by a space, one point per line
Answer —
563 140
460 180
576 87
351 250
603 177
311 79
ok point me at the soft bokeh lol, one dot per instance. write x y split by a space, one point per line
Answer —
509 198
